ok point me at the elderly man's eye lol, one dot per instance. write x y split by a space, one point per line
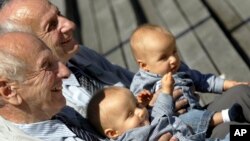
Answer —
53 25
46 65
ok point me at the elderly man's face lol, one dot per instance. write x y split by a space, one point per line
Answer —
41 90
47 23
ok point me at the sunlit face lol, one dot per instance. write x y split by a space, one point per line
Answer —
48 24
162 54
41 90
125 112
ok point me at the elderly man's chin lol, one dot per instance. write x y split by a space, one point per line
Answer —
58 101
74 49
70 49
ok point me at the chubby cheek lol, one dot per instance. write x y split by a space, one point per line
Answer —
163 69
135 122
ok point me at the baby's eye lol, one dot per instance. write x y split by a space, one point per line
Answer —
163 57
130 114
138 105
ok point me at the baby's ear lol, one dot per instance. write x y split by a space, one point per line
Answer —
110 133
142 65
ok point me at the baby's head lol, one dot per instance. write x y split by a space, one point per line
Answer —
114 110
154 49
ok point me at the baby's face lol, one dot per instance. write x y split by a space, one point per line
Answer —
163 56
126 113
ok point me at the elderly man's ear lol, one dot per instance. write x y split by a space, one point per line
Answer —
8 93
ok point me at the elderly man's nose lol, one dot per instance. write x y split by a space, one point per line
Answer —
63 71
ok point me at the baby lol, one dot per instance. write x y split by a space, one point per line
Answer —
117 114
155 52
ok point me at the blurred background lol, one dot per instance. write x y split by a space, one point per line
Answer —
213 36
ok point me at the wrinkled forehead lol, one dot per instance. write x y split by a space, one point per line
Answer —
22 44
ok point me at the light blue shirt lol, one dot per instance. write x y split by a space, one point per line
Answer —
76 96
50 130
99 68
8 132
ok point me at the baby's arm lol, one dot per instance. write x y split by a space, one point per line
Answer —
167 84
231 83
164 105
144 97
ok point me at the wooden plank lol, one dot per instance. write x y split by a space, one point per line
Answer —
106 26
241 7
194 10
171 15
132 65
126 23
221 51
225 12
125 18
89 31
151 12
193 54
242 36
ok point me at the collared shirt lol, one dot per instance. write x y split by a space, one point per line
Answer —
162 122
50 130
98 67
8 132
202 82
77 96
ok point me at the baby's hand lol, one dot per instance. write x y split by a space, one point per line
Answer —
167 83
144 97
230 83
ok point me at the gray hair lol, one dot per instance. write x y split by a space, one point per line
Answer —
11 26
11 67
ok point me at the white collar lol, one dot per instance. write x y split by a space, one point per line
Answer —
71 80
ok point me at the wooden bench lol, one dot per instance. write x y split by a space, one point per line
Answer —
234 16
206 32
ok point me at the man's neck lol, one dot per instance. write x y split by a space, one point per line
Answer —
20 116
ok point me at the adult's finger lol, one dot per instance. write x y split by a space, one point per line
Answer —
167 137
177 93
181 111
180 106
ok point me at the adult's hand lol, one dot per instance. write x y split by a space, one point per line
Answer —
167 137
180 104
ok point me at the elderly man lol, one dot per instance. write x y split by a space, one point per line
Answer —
31 88
44 19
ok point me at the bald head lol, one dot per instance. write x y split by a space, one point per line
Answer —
101 112
21 44
20 15
16 52
144 38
